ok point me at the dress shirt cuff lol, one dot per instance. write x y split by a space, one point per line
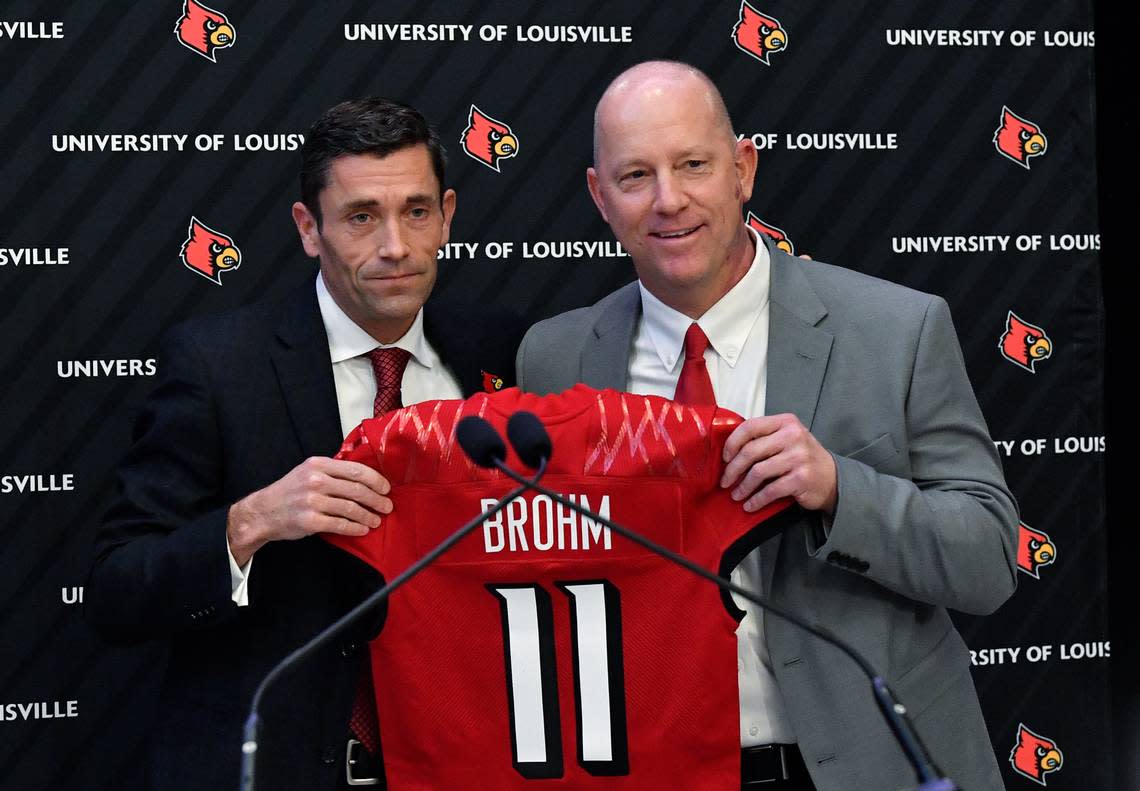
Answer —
239 579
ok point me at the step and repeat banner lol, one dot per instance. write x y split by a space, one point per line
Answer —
940 144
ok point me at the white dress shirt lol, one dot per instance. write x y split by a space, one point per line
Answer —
425 377
737 329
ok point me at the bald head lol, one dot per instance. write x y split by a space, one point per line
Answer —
659 81
671 180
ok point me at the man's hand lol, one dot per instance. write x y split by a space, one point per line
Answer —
319 495
775 456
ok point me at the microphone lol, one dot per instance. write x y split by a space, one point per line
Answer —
481 442
485 447
529 438
532 444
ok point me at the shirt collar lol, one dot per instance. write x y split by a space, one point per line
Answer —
727 324
347 339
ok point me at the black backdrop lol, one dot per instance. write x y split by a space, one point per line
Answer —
877 152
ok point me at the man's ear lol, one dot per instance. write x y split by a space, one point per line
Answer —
745 159
596 192
307 228
447 205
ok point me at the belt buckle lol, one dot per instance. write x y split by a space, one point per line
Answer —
782 752
350 761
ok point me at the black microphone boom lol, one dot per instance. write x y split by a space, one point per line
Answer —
531 437
485 447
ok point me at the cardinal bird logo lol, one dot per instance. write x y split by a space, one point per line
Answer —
1034 756
488 140
771 231
757 34
1018 139
209 253
1023 344
1034 550
204 30
492 383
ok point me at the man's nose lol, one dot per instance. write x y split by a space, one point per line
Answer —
669 197
390 243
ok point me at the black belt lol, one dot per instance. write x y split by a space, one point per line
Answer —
767 766
773 766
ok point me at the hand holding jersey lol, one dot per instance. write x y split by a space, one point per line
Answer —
319 495
775 456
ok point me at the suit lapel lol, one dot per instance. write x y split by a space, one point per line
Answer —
304 372
798 349
605 354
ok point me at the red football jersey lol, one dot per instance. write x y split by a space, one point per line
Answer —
541 646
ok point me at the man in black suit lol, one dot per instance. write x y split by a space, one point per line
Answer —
212 541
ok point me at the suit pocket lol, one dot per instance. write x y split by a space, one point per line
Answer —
945 665
875 453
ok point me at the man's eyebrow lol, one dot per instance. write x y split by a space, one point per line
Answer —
695 152
417 199
362 203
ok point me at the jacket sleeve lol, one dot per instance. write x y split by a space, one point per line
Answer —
161 564
948 534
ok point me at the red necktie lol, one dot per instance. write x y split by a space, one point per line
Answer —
388 368
694 386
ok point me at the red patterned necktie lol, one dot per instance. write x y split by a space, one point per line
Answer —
694 386
388 368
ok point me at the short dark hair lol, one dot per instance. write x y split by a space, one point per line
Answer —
373 125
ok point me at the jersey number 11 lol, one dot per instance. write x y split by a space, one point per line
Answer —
532 686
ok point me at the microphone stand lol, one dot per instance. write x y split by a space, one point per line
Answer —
252 723
894 712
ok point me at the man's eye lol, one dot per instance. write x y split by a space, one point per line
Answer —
359 219
634 174
419 213
694 163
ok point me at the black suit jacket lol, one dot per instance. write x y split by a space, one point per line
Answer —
241 399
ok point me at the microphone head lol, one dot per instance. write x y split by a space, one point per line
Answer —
529 438
480 441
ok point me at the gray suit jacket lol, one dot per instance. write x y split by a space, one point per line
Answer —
924 520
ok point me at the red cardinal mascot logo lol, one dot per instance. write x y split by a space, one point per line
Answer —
209 253
1018 139
758 35
1034 756
488 140
1034 550
204 30
492 383
1023 344
772 232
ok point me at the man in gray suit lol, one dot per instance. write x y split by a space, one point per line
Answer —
857 405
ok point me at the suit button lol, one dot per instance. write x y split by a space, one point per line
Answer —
328 755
